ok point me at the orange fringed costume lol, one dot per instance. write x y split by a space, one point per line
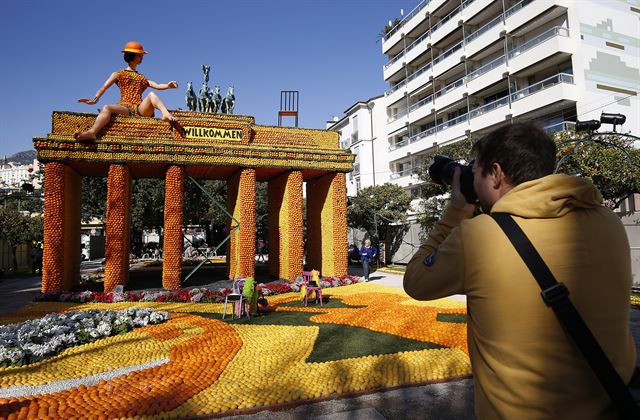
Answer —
132 84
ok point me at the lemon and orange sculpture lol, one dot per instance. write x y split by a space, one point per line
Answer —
203 146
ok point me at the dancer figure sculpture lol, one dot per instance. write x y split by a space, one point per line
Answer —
132 84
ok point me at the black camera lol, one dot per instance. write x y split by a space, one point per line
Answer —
441 172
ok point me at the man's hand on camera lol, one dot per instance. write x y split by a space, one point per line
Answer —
457 198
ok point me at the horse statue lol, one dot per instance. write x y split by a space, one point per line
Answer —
190 97
203 97
216 99
205 70
228 102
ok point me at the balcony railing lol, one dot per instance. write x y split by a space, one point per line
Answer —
451 123
483 29
412 76
393 60
556 30
489 107
516 7
399 144
404 172
548 82
486 68
404 20
451 86
396 87
401 113
466 3
418 72
562 126
445 19
419 136
421 102
447 53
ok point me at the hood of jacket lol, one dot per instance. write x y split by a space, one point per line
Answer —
549 197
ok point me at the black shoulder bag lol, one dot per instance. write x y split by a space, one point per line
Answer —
556 296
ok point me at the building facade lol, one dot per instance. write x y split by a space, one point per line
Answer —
362 130
13 175
466 67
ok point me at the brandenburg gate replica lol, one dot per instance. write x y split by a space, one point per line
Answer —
203 146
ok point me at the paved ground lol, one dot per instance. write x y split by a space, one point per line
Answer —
451 400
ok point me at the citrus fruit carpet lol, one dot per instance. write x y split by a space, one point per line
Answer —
364 338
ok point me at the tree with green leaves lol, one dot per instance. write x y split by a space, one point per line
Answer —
381 211
17 229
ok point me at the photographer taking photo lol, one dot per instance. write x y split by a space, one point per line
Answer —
524 363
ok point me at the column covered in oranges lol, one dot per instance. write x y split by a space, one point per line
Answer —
118 225
286 229
173 216
61 256
241 203
327 224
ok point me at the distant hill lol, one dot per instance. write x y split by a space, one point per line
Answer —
24 158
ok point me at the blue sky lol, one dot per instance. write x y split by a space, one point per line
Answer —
58 51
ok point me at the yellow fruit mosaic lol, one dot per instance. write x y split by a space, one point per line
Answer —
209 366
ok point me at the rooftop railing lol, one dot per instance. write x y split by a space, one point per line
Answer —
405 19
556 30
548 82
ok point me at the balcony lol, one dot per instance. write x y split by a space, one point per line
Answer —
396 87
395 123
489 114
449 94
546 44
401 113
486 75
562 126
416 143
555 89
452 129
447 59
419 77
526 11
470 8
417 47
483 36
421 108
408 23
446 25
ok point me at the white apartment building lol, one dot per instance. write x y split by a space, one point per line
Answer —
460 67
362 129
13 175
465 67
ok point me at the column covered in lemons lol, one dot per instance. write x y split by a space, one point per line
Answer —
241 203
286 226
173 216
61 254
327 224
116 269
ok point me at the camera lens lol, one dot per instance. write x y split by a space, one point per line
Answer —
441 172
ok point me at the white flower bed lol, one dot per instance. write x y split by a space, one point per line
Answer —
38 339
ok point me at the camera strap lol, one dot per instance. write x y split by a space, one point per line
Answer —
556 296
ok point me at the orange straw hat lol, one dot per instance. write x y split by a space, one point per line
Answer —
134 47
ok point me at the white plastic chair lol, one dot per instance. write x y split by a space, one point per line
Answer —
237 300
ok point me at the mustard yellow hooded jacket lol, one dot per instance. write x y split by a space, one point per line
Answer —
524 364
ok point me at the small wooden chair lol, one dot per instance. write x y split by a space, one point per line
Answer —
237 300
311 286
